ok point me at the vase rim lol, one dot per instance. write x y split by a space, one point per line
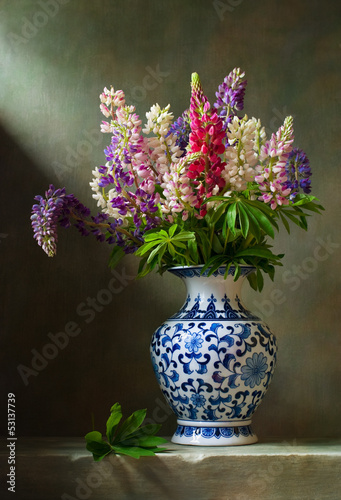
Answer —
195 271
200 266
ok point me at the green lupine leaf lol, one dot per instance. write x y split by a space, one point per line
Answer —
143 268
94 436
260 280
264 221
234 236
146 430
116 255
96 445
154 252
218 212
216 245
244 220
153 236
312 207
290 216
179 244
98 449
304 223
252 279
257 252
193 250
271 214
184 235
163 233
289 210
144 442
131 439
147 246
171 249
227 269
172 230
307 200
285 222
113 421
231 217
130 425
161 254
205 242
237 271
214 263
136 452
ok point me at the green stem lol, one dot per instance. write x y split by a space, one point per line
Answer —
105 225
247 241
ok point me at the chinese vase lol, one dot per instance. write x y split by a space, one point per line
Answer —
214 360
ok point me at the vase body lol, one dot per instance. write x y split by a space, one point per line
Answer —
213 360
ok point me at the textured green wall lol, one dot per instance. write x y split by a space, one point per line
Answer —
56 57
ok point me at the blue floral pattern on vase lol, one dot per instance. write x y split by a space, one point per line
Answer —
254 370
213 364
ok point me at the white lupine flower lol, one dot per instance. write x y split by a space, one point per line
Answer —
158 120
97 189
162 149
240 155
106 128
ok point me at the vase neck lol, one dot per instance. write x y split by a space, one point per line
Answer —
212 297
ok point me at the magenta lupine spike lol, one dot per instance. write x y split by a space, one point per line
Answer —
198 98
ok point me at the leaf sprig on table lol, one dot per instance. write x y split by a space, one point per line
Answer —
127 438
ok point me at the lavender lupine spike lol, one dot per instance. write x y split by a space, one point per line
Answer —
181 128
45 216
298 172
58 208
52 210
230 95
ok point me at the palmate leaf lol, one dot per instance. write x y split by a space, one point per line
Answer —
130 439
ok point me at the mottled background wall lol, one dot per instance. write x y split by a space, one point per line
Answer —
56 57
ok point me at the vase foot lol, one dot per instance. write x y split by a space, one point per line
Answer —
206 434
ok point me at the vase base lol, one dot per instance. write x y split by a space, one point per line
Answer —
197 434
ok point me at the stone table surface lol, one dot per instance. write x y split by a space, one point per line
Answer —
61 468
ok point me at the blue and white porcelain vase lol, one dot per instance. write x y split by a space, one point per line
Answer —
213 360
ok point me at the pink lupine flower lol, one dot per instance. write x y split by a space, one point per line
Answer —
271 176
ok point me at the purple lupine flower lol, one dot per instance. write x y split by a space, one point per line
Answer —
181 128
298 172
55 208
231 92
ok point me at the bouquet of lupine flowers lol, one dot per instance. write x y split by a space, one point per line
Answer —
208 188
